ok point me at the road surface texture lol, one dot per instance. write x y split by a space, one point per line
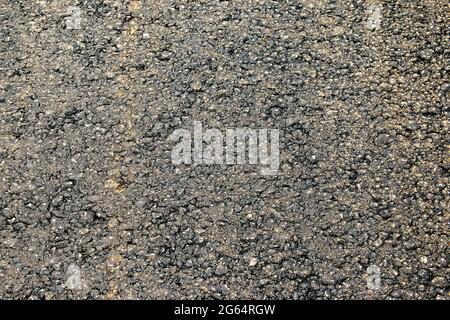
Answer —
92 206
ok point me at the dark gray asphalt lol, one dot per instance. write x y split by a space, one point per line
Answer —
92 206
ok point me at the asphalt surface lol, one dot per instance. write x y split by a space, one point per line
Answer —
92 206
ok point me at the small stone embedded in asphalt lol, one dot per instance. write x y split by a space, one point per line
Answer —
196 86
253 262
92 206
221 270
74 281
439 282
